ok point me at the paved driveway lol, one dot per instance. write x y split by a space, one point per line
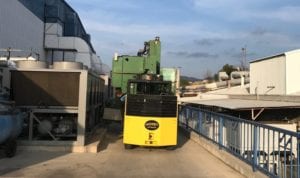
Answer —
188 160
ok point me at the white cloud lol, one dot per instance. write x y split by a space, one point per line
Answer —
247 10
285 14
128 4
209 4
147 29
229 20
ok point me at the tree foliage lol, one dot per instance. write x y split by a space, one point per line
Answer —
208 75
184 82
228 69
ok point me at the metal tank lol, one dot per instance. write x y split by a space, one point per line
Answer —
68 65
11 123
29 64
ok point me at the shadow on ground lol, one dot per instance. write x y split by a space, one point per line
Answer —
23 160
114 133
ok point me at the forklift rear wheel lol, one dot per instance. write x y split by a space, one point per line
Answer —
173 147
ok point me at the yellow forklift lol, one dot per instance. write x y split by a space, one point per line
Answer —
150 106
150 117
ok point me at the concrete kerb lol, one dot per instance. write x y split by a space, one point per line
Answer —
237 164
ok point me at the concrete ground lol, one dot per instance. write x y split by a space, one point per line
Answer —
188 160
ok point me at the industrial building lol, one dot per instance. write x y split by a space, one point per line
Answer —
47 30
51 71
273 98
276 75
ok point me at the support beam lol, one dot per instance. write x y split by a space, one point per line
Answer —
37 119
253 116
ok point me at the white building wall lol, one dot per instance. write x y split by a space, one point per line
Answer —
20 29
266 74
293 72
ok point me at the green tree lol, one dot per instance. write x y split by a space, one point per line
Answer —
208 75
228 69
216 77
184 82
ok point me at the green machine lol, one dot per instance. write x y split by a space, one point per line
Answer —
144 68
127 67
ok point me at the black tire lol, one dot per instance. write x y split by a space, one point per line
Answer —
10 148
170 148
128 146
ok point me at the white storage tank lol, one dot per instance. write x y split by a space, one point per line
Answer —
30 64
67 65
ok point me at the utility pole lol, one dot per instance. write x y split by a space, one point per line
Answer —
244 58
9 51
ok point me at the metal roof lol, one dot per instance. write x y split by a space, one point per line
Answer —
277 55
241 104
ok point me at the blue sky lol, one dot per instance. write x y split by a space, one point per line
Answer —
196 35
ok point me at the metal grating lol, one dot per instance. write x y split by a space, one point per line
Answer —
40 88
149 105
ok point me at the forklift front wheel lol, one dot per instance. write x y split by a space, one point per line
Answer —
128 146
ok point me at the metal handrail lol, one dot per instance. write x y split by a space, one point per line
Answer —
272 150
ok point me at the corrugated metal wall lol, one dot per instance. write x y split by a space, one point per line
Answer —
37 88
293 73
20 29
268 76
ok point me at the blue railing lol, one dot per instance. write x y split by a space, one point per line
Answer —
271 150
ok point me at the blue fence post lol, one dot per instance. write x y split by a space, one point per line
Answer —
186 117
220 132
251 132
200 121
254 148
298 149
298 152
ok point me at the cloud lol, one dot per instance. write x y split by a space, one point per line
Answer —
229 6
207 41
103 4
259 31
289 14
247 11
180 53
200 29
216 4
202 55
146 29
286 14
193 54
